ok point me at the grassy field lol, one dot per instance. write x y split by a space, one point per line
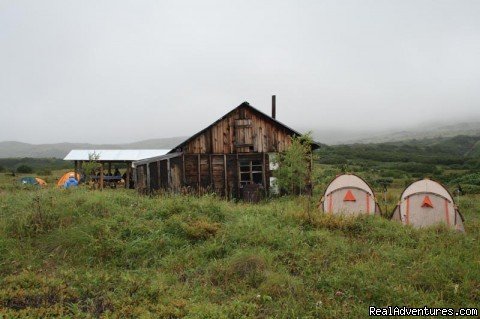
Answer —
115 254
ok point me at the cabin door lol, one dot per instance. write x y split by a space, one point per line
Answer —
243 136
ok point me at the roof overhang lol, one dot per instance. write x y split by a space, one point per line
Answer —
156 159
114 155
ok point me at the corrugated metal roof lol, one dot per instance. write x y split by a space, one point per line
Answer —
114 155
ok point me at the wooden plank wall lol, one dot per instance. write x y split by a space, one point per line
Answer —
163 174
199 173
219 172
154 181
242 127
141 183
176 173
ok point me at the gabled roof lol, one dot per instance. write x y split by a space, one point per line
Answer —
114 155
289 130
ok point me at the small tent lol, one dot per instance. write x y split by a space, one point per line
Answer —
30 180
40 181
425 203
65 177
349 194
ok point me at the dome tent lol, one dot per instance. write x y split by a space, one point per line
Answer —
40 181
350 195
425 203
30 180
65 177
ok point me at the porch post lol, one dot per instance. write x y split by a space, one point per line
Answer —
101 176
127 178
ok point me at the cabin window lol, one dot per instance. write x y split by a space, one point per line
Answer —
251 172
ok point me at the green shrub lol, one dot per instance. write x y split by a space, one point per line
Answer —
471 179
44 172
471 189
293 174
24 169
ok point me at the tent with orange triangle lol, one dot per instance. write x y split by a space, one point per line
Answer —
425 203
349 194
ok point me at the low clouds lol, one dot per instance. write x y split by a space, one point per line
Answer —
120 71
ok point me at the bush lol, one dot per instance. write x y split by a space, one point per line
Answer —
471 189
471 179
2 169
417 168
24 169
44 172
293 173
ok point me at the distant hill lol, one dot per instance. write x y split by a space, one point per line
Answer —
424 131
431 150
12 149
427 131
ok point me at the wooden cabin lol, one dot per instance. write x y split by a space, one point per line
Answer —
230 157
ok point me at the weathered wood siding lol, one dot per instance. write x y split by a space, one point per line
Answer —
154 181
199 173
141 177
243 131
230 157
176 174
163 174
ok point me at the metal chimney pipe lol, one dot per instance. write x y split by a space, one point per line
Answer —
274 107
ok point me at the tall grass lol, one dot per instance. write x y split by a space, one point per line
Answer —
117 254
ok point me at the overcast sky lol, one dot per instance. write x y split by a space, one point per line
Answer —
121 71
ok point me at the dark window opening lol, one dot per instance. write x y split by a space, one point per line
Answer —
257 178
250 172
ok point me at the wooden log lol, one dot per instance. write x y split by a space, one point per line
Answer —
101 176
169 174
183 170
225 179
210 166
159 179
198 172
76 168
110 168
264 176
238 175
148 177
127 178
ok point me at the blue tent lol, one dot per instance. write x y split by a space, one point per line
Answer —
29 180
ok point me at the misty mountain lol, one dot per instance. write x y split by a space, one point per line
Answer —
60 150
423 131
326 136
